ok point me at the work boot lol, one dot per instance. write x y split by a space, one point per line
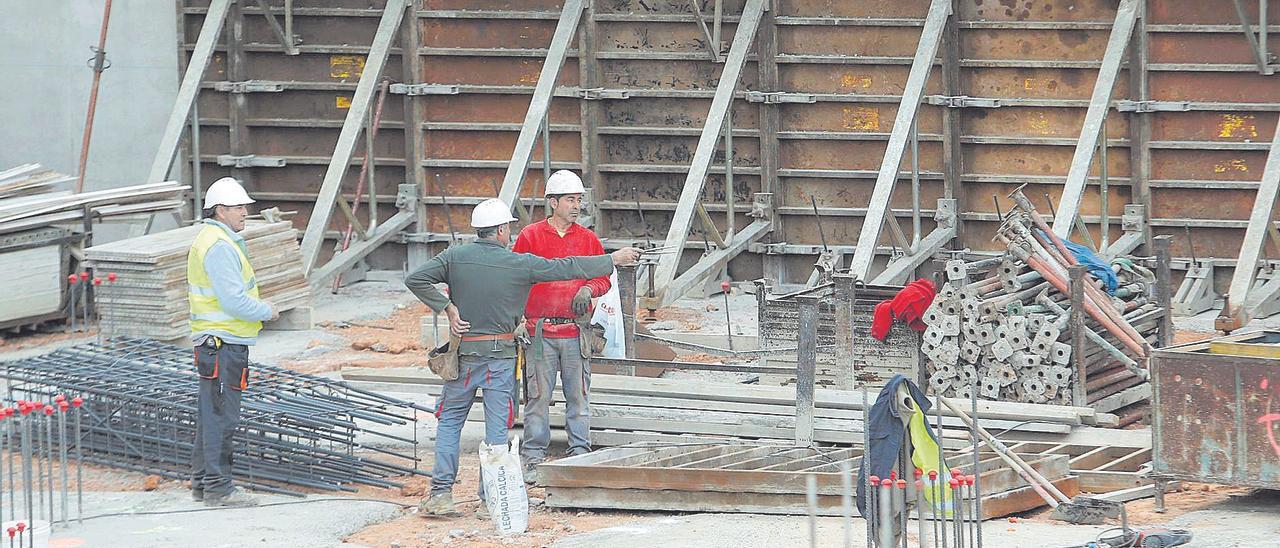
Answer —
482 511
531 473
236 498
439 505
197 495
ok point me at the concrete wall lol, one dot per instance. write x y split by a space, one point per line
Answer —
45 94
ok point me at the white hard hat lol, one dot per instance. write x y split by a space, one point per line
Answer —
227 192
491 212
564 182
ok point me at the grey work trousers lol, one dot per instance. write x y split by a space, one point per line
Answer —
496 377
224 374
563 356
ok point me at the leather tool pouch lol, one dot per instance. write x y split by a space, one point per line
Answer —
443 360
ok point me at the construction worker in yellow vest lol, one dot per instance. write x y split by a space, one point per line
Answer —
226 315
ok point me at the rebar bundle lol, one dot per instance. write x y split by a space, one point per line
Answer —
1010 333
296 430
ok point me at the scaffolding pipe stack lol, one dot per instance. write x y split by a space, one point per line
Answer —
296 430
1011 334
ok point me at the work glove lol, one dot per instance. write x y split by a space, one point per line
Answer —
582 302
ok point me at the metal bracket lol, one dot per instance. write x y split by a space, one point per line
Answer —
761 205
961 101
1195 294
249 86
776 248
778 97
945 214
1133 219
597 94
423 89
407 197
249 160
1125 105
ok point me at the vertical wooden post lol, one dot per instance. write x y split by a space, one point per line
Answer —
238 71
806 365
1078 395
843 301
414 143
775 266
1163 296
627 293
952 149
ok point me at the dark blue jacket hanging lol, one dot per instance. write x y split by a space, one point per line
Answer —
887 433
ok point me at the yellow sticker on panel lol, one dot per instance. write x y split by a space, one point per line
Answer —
342 101
1237 126
346 66
862 118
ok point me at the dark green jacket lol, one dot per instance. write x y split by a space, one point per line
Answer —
490 284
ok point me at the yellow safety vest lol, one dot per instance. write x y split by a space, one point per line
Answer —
206 312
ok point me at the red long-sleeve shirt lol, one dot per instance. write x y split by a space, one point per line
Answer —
555 299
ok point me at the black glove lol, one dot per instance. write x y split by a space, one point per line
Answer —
582 301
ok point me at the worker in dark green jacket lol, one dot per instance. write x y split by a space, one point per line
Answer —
488 287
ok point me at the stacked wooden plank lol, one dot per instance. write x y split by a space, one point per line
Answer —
149 296
32 197
630 409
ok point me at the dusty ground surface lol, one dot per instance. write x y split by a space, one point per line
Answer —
378 324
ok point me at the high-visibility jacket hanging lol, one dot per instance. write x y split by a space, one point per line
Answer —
206 311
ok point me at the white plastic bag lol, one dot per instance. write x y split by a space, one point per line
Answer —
504 492
608 315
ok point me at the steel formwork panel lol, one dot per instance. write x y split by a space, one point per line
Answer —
1040 58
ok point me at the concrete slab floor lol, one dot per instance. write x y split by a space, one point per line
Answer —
323 522
1249 521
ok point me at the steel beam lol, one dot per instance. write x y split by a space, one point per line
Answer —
359 249
900 268
285 38
770 122
414 138
713 262
1257 43
313 238
887 178
1140 124
187 91
686 208
1095 118
1238 310
566 29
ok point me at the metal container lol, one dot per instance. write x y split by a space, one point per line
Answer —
1216 410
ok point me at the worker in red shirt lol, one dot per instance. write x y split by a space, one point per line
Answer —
556 312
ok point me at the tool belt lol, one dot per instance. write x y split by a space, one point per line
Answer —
443 360
480 338
558 321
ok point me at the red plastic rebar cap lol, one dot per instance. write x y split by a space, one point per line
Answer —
885 483
63 406
48 409
59 398
111 277
968 480
724 286
21 527
12 532
919 473
76 402
893 475
875 480
902 484
956 472
97 280
84 276
954 483
24 408
72 279
933 474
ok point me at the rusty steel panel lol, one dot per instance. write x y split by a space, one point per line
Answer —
497 5
682 37
1202 203
665 6
867 8
1209 165
488 33
674 113
667 150
666 187
1243 87
867 41
855 118
1037 10
853 79
474 182
349 31
979 197
1057 122
495 145
857 155
1038 45
1034 160
1234 127
666 74
304 106
1037 83
1199 48
1201 12
493 71
1216 414
843 192
479 108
